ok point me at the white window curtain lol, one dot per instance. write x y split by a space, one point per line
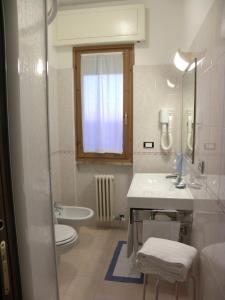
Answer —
102 102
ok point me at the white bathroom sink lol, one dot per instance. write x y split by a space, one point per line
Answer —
154 190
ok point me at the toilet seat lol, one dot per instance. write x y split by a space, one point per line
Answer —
65 235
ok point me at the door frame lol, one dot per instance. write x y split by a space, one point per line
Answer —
8 230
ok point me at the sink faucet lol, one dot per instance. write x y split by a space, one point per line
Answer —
172 176
58 207
57 204
180 183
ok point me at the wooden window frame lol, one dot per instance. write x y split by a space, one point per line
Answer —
128 61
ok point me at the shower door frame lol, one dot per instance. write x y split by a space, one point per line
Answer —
10 287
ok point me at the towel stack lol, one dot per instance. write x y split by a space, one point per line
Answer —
168 259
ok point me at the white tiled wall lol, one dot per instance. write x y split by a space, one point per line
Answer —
54 134
62 152
74 184
209 210
86 190
151 93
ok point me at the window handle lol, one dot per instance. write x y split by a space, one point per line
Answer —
125 118
5 269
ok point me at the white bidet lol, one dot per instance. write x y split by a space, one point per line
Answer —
74 216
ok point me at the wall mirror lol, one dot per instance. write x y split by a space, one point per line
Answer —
189 111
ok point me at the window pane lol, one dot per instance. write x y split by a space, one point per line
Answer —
102 102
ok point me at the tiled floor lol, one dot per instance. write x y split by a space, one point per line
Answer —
83 268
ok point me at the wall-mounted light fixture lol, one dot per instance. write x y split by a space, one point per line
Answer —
183 59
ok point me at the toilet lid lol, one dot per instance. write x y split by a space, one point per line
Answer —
64 234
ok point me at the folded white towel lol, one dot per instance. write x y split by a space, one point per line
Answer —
168 259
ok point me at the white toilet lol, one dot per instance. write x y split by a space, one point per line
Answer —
65 237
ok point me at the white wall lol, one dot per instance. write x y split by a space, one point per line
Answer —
153 65
163 32
151 93
194 13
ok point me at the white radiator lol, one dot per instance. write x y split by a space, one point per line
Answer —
104 186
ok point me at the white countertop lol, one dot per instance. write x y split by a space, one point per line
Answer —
154 190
